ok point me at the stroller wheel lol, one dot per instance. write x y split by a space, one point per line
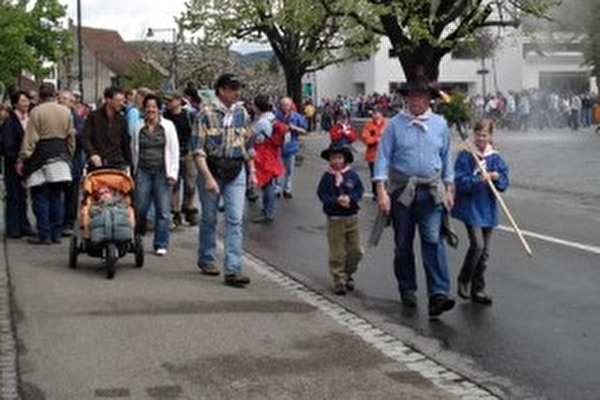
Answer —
139 253
73 250
112 255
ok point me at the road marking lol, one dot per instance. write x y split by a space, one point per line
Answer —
389 345
562 242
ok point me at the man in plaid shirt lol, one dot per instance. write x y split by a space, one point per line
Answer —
224 153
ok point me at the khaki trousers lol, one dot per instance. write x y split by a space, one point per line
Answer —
345 251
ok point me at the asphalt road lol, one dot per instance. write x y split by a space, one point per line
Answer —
540 339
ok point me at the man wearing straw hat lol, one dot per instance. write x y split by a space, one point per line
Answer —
414 182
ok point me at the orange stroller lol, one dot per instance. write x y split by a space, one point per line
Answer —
107 220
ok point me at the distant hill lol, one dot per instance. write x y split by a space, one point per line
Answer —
251 58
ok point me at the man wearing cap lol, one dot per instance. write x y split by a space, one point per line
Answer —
183 121
223 154
414 161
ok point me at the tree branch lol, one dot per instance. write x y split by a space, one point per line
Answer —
353 15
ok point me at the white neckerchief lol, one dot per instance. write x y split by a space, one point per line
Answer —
228 111
418 120
482 165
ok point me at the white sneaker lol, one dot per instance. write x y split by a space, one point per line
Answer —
161 252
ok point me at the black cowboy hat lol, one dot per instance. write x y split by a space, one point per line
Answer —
419 84
338 148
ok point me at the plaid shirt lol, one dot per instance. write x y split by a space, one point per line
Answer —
224 132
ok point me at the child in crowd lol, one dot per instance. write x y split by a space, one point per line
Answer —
340 189
104 196
476 206
342 133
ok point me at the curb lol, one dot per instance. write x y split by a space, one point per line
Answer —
442 377
9 387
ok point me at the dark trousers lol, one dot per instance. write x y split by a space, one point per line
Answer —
49 209
474 264
15 217
71 203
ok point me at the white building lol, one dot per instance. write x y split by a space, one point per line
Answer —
517 64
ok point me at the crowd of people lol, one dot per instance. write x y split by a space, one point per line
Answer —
180 154
536 108
187 152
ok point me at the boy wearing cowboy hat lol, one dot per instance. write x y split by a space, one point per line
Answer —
340 189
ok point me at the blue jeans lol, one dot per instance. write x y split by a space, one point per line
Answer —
269 200
427 215
152 188
234 196
285 182
49 209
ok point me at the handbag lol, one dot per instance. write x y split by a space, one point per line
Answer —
226 169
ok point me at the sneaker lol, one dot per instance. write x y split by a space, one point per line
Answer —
339 289
191 216
408 299
439 304
161 252
236 280
39 240
209 269
464 289
350 285
177 219
251 196
287 195
482 298
262 220
67 232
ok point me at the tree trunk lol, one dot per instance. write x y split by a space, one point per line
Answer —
293 81
424 60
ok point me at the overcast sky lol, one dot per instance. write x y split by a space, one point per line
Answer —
132 18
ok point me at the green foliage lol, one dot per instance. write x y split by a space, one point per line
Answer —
303 36
456 109
31 35
142 74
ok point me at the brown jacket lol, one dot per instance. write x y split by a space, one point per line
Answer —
49 120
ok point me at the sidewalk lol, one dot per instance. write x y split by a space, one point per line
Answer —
167 332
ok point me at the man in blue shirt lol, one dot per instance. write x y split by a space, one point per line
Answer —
414 159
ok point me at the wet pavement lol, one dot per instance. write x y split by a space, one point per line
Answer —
168 332
540 338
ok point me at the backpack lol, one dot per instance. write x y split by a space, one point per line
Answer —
278 134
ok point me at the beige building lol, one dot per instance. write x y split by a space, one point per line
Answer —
107 59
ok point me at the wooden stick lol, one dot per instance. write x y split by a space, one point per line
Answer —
503 205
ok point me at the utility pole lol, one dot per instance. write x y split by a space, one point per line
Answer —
79 50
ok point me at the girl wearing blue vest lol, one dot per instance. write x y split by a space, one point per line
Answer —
476 206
